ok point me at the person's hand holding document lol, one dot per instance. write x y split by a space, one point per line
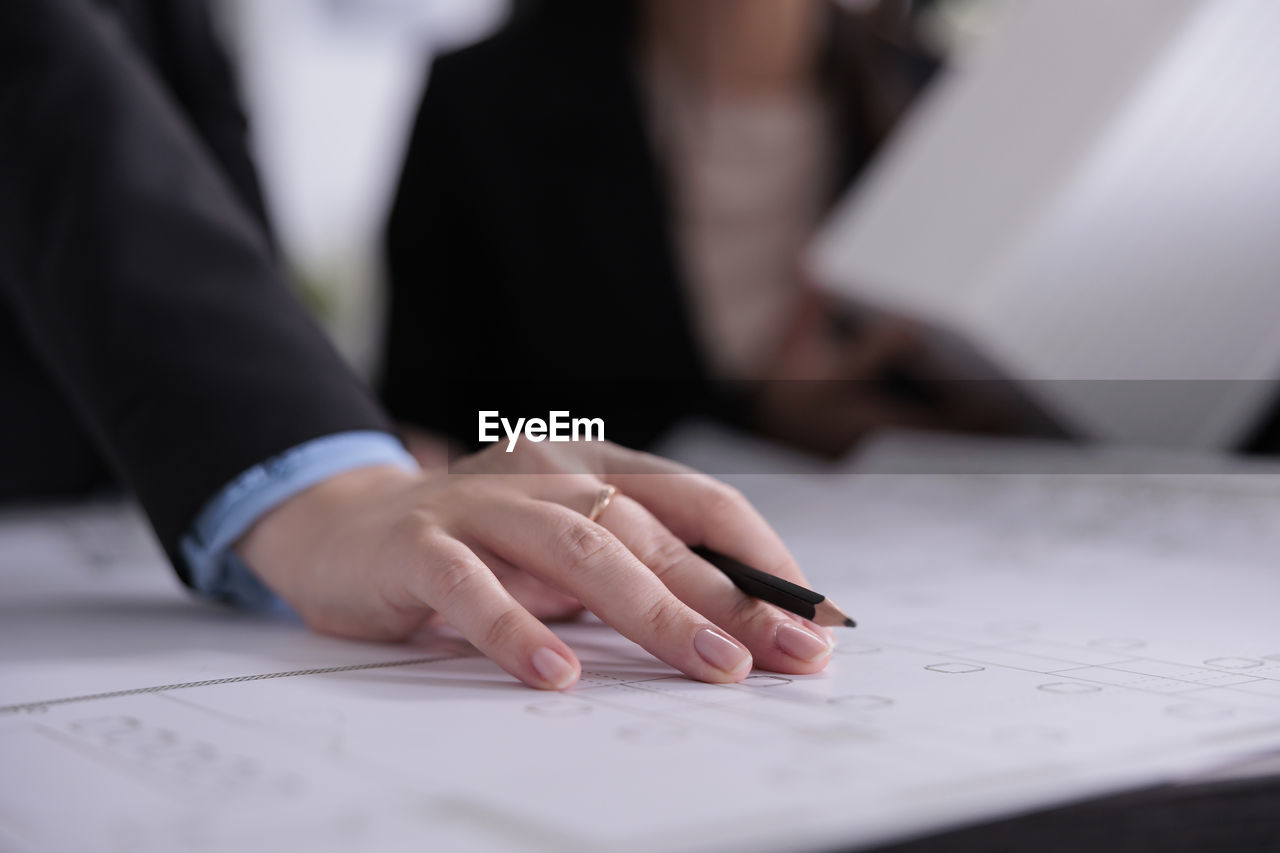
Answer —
838 378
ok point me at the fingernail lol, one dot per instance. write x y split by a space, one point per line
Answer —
799 643
815 628
719 651
553 669
825 632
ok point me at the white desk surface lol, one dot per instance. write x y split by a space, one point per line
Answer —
1024 640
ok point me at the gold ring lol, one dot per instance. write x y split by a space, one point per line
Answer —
603 499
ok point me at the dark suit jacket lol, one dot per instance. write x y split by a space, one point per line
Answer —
529 252
143 318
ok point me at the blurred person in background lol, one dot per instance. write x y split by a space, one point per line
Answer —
605 205
148 334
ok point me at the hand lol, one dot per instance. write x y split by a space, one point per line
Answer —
827 387
502 542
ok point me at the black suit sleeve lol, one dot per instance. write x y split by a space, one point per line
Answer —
141 280
177 38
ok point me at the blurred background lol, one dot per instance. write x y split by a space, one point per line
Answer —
676 177
331 87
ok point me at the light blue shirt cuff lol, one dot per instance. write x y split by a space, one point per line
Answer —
216 571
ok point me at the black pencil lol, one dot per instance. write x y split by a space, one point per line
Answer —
787 595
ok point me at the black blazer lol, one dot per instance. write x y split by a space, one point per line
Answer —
143 319
529 252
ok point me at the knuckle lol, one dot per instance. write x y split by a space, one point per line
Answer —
503 630
665 554
416 526
584 542
451 579
724 502
532 458
661 616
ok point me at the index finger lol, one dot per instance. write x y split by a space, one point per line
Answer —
578 556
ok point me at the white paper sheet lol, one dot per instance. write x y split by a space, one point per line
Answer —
1024 640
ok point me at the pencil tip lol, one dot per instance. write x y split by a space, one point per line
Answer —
828 615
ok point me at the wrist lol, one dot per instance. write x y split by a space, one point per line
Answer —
290 534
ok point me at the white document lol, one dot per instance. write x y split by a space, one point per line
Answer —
1086 206
1024 641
